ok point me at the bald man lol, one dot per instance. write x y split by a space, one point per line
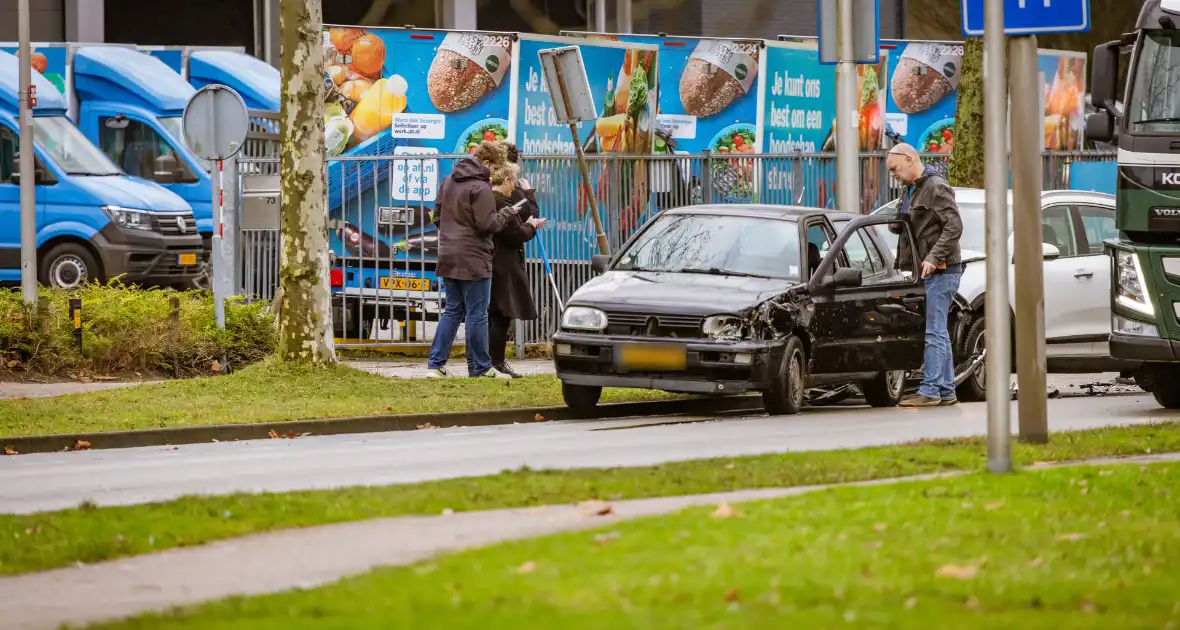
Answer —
928 204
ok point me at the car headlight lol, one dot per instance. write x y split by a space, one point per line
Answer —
1129 287
130 218
723 327
583 318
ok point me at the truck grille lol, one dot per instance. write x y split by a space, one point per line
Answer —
168 224
652 325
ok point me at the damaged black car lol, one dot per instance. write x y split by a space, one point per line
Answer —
730 299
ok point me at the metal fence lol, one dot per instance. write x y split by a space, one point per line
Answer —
380 222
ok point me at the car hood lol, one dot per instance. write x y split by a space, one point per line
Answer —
131 192
680 293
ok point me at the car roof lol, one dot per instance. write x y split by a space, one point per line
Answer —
978 196
761 211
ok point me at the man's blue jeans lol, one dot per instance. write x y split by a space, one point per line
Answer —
465 298
938 381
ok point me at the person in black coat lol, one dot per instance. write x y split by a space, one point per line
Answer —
512 297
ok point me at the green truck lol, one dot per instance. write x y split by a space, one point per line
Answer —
1145 258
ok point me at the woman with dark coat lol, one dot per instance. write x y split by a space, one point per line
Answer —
512 297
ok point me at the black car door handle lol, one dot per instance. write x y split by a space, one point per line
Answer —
1084 274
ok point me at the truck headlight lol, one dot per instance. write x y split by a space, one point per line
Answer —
1129 284
583 318
723 327
130 218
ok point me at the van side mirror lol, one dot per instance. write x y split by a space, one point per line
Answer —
599 263
166 169
40 176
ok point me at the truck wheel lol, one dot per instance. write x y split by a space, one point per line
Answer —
885 390
1163 380
68 266
785 396
974 389
581 398
1167 398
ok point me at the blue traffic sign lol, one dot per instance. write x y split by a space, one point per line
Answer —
1030 17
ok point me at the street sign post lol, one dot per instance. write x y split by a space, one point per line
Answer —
849 34
28 183
1030 17
864 29
216 121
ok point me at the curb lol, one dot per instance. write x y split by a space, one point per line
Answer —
368 424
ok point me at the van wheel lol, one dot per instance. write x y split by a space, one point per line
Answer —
974 389
884 390
785 396
581 398
68 266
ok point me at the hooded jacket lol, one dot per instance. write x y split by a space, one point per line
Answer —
466 216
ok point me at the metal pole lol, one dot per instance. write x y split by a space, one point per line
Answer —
218 252
847 96
28 183
623 16
1027 131
999 326
603 244
600 16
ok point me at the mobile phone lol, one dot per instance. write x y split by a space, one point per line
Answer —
520 204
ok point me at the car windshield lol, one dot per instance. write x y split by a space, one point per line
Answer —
73 153
1155 92
716 244
974 226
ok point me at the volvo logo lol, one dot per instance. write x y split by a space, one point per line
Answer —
1171 179
181 225
1170 213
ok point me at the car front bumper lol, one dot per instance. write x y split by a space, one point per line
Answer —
712 367
1136 348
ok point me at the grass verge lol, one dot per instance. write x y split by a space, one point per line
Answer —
271 392
89 534
1065 548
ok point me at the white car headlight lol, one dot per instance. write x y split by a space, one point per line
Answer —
1129 283
583 318
130 218
723 327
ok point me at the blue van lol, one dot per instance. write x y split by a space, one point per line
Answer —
93 221
258 82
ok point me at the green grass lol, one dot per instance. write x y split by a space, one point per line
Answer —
1068 548
271 392
89 534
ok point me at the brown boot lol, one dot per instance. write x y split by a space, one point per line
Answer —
921 401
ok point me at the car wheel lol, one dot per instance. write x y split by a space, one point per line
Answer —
785 396
885 390
581 398
974 389
68 266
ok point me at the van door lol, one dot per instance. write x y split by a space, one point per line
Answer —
9 207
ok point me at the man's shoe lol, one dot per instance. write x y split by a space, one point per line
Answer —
506 368
921 401
441 372
949 402
494 373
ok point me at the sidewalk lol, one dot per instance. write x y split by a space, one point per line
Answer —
305 558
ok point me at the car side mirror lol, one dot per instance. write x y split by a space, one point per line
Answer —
844 277
1050 251
599 263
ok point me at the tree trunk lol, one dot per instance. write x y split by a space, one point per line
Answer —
966 169
305 326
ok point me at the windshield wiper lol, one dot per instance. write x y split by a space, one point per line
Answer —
716 271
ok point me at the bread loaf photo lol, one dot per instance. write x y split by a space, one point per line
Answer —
466 67
718 73
926 73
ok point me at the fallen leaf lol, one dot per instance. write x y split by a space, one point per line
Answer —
1089 607
1105 473
8 450
305 434
972 603
595 508
174 448
273 434
956 572
910 603
216 366
730 466
527 567
607 538
1147 450
216 440
1036 562
880 527
1071 537
1125 513
291 436
81 445
539 418
448 512
991 507
732 595
724 511
426 425
13 363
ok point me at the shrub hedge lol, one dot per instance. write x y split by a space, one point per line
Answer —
126 329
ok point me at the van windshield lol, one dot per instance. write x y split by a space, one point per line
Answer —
65 145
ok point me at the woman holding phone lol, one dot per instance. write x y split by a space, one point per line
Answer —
511 295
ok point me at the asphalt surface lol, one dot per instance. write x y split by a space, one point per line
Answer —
30 483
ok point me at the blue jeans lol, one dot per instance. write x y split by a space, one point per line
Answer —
938 381
465 299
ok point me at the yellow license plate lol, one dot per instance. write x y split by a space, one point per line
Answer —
188 259
405 284
651 357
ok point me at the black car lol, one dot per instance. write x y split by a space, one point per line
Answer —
738 298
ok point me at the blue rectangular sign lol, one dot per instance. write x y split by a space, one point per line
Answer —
1030 17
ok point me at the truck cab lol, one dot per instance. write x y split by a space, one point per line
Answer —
94 222
255 80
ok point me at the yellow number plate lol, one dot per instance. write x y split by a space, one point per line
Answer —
651 357
405 284
188 259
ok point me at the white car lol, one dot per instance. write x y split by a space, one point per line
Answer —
1077 285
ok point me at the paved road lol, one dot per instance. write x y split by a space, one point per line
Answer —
30 483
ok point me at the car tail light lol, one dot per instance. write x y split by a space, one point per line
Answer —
337 277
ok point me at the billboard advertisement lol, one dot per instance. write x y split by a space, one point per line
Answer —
1063 76
48 59
923 84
